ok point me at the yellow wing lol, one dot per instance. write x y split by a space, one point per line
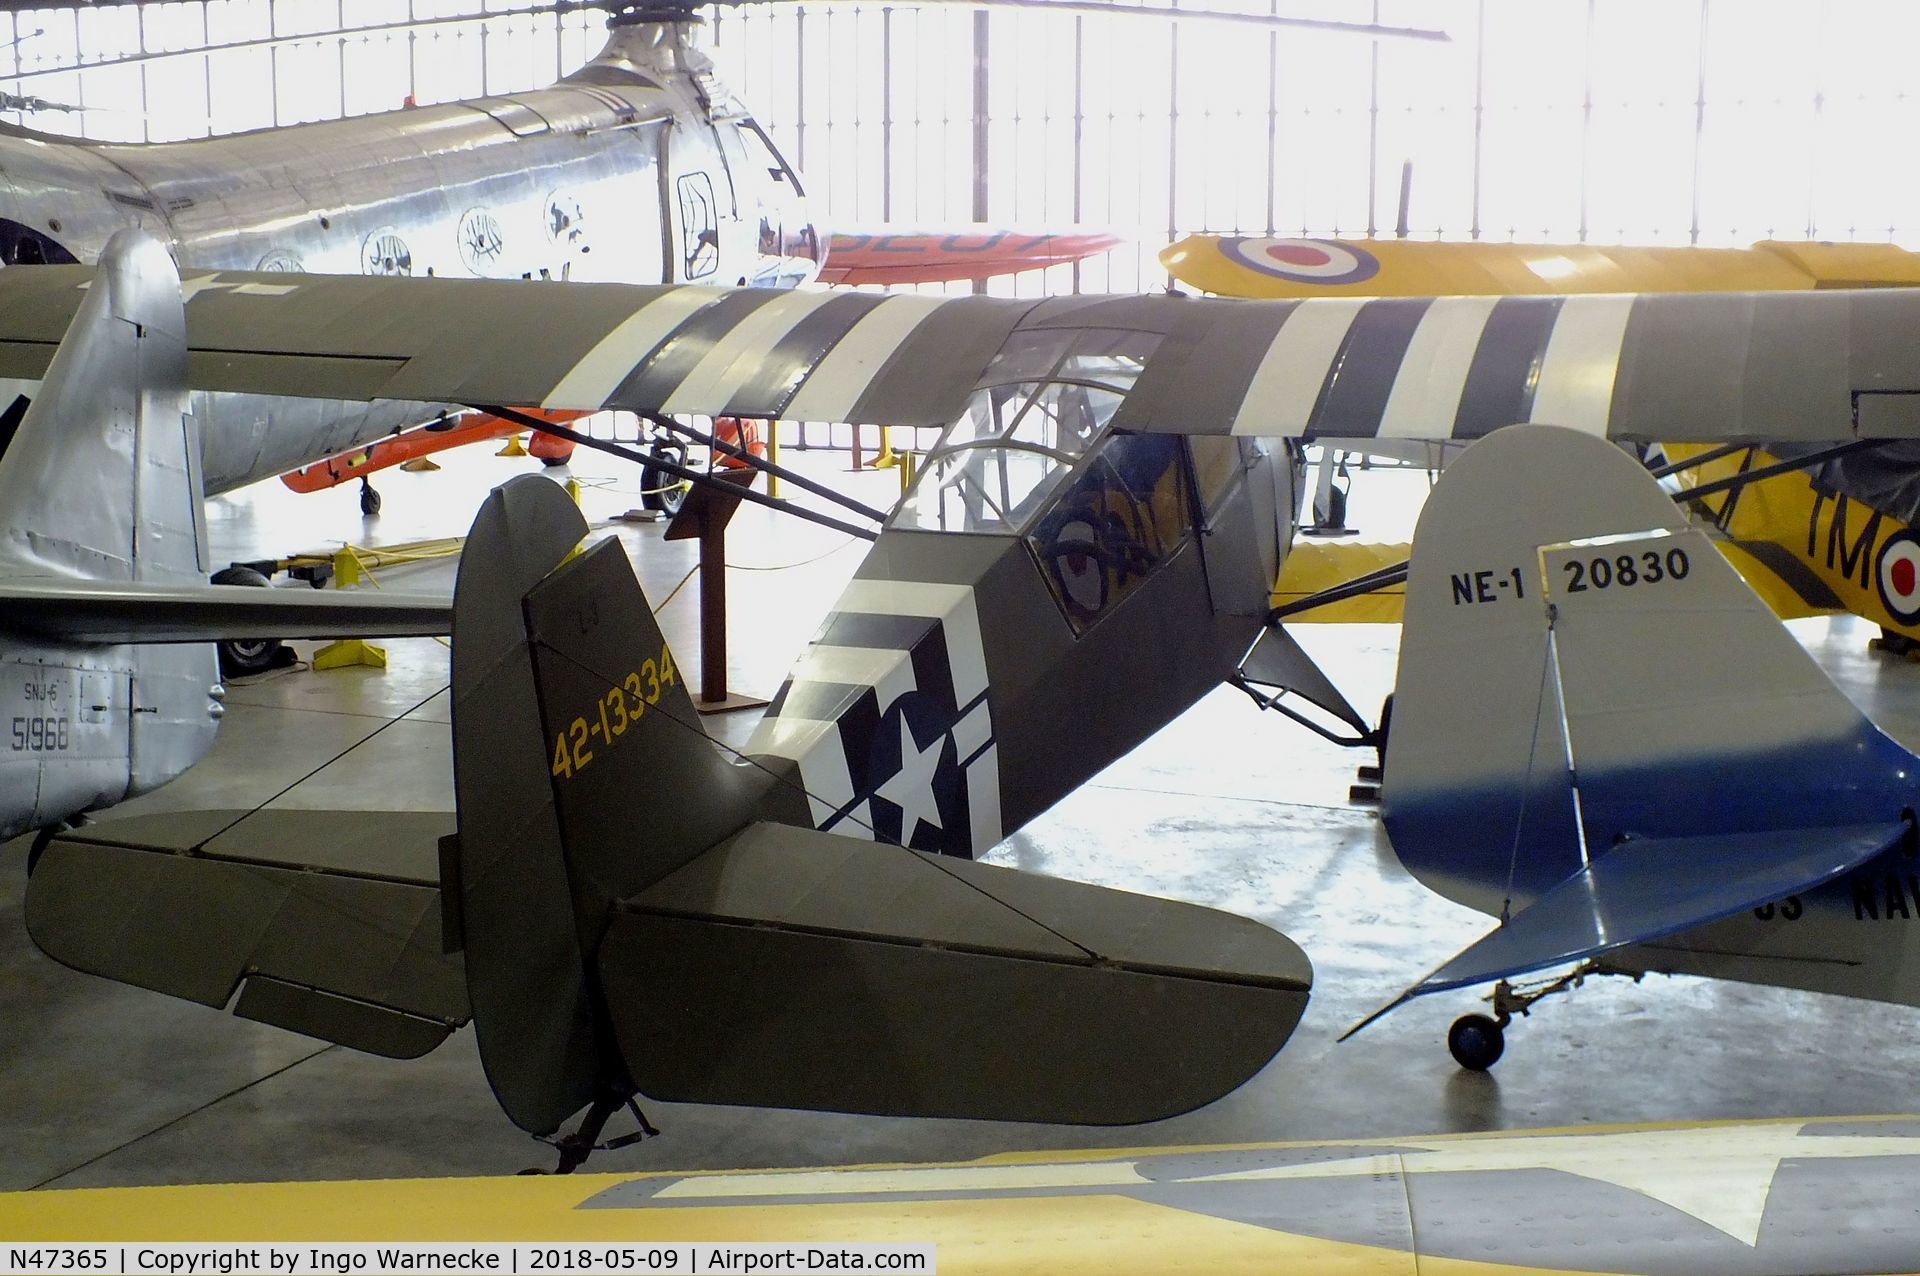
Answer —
1240 266
1312 566
1340 1209
1809 551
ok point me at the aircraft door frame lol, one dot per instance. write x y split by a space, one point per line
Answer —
687 192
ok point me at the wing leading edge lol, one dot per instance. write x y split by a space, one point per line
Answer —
106 611
1707 367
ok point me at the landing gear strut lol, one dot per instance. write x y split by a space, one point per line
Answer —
575 1148
1476 1041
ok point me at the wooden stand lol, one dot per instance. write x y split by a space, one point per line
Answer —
705 515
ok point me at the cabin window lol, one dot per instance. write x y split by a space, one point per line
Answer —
1123 515
1042 403
699 226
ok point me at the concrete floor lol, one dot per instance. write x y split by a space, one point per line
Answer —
106 1085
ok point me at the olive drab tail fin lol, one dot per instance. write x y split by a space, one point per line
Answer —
630 926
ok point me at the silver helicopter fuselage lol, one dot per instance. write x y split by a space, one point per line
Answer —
637 168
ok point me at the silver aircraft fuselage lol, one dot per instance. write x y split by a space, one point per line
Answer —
637 168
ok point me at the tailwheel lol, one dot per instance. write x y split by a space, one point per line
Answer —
575 1148
369 499
1476 1042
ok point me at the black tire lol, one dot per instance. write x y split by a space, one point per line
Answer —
244 657
1386 725
1336 508
369 506
1476 1042
674 495
555 462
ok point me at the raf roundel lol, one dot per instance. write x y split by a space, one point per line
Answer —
1898 574
1306 261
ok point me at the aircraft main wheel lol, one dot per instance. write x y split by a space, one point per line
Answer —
1386 725
242 657
369 503
1336 509
660 491
555 462
1476 1042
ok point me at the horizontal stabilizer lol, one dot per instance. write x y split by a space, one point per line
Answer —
325 923
791 968
108 611
1646 890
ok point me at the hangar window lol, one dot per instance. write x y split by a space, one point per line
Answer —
1041 404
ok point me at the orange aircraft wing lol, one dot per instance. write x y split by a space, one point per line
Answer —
930 257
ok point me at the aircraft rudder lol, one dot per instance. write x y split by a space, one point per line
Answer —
509 899
582 774
1580 665
111 417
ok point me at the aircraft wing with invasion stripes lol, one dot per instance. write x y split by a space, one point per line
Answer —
1642 367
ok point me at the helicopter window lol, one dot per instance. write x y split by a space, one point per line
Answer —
24 246
761 148
699 226
1041 404
1124 514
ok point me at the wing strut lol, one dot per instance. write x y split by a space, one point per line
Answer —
697 477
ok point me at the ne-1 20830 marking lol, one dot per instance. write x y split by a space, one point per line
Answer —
1487 587
1650 568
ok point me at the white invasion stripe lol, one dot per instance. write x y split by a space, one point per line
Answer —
1581 362
1426 391
790 737
838 380
815 745
901 597
953 605
1281 394
983 799
602 369
740 354
966 657
858 666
